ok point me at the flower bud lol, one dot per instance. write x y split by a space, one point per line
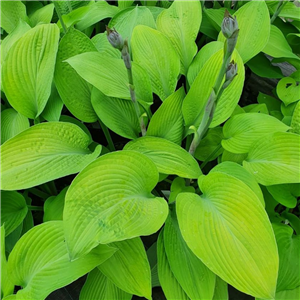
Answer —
114 38
231 72
229 25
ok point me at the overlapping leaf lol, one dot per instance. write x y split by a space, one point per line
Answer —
45 265
229 230
117 205
28 70
44 152
274 159
168 157
286 194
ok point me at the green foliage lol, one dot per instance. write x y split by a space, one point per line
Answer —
142 146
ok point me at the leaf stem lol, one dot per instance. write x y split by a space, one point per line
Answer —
60 17
109 140
32 207
39 193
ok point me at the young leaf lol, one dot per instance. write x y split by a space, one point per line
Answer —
187 268
75 92
12 123
44 152
109 75
288 90
45 265
285 194
181 24
13 210
229 230
155 53
118 202
117 114
98 286
274 159
168 157
129 268
169 283
178 186
241 131
254 24
43 15
167 121
28 70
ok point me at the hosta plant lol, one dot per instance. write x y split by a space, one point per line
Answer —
132 159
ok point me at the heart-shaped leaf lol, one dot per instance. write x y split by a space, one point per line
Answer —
45 265
286 194
13 210
288 91
44 152
129 268
118 202
242 130
175 23
168 157
155 53
28 70
75 92
274 159
229 230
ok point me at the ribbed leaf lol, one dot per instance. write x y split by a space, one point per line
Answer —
242 130
43 15
13 210
181 24
75 92
295 123
254 23
288 294
229 230
118 202
99 287
167 121
102 44
169 283
168 157
45 265
44 152
12 123
117 114
28 70
197 97
155 53
286 194
109 75
187 268
274 159
289 263
129 268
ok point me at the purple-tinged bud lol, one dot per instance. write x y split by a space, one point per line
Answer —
229 25
114 38
231 72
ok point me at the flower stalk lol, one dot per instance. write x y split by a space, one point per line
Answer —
228 69
116 40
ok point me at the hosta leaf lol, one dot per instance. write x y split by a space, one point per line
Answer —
288 294
118 202
196 99
178 186
75 92
11 13
13 210
99 287
42 15
241 131
125 21
295 123
129 268
288 90
28 70
155 53
175 23
221 290
274 159
12 123
102 44
169 283
167 121
229 230
187 268
45 265
254 23
117 114
44 152
109 75
229 156
168 157
237 171
286 194
289 263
